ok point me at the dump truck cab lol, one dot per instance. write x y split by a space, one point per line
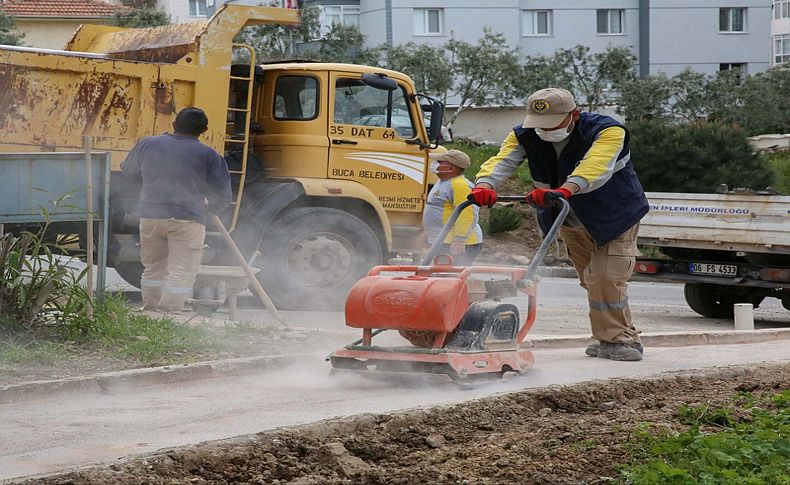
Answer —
344 146
328 161
322 121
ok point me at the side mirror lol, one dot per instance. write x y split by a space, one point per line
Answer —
437 114
380 81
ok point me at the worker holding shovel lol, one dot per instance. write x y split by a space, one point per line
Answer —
178 175
585 158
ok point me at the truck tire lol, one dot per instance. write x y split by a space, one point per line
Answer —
130 272
311 256
708 300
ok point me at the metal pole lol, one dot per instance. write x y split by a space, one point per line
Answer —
101 274
87 142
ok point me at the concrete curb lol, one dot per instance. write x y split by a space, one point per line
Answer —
108 382
669 339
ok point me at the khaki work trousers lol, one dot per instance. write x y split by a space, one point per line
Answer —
604 272
171 250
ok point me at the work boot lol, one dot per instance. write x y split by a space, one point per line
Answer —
593 348
623 352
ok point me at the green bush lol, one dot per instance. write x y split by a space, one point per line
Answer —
502 219
35 282
780 161
696 157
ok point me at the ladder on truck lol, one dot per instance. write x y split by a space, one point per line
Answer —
241 140
217 285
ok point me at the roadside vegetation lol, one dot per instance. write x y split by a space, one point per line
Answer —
780 161
747 441
44 317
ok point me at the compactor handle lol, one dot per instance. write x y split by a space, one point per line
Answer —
541 252
547 239
437 245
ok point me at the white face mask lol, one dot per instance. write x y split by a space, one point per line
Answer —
434 168
554 136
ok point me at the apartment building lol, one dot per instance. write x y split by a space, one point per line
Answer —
780 32
667 35
182 11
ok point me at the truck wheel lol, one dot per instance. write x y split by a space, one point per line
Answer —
130 272
708 300
311 256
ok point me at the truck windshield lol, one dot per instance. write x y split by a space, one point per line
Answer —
359 104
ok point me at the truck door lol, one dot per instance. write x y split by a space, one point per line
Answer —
364 149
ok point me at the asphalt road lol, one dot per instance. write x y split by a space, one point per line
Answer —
48 435
562 310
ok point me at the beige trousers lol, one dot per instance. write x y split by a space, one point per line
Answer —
604 272
171 250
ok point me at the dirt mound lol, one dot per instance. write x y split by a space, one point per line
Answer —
561 435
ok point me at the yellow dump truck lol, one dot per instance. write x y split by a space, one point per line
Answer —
329 161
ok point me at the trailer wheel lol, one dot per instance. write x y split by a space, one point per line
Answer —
311 256
709 300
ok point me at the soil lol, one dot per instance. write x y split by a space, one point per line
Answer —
558 435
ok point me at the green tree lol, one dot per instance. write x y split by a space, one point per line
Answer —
592 75
427 65
695 157
539 72
139 17
648 98
273 42
685 97
758 103
345 43
484 72
8 33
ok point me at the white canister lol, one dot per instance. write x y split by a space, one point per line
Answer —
744 316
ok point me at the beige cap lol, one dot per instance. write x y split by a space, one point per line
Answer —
456 157
548 107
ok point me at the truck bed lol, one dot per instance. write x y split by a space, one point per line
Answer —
748 223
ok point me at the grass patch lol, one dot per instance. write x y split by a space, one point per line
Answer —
747 441
16 351
118 328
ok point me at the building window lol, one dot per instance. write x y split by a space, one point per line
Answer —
732 19
610 21
339 14
197 8
781 49
536 22
781 9
739 67
428 21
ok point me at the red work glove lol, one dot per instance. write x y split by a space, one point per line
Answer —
483 196
546 197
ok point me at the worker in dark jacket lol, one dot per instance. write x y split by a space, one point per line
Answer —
585 158
181 179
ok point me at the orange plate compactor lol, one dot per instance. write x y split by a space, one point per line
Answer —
455 320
